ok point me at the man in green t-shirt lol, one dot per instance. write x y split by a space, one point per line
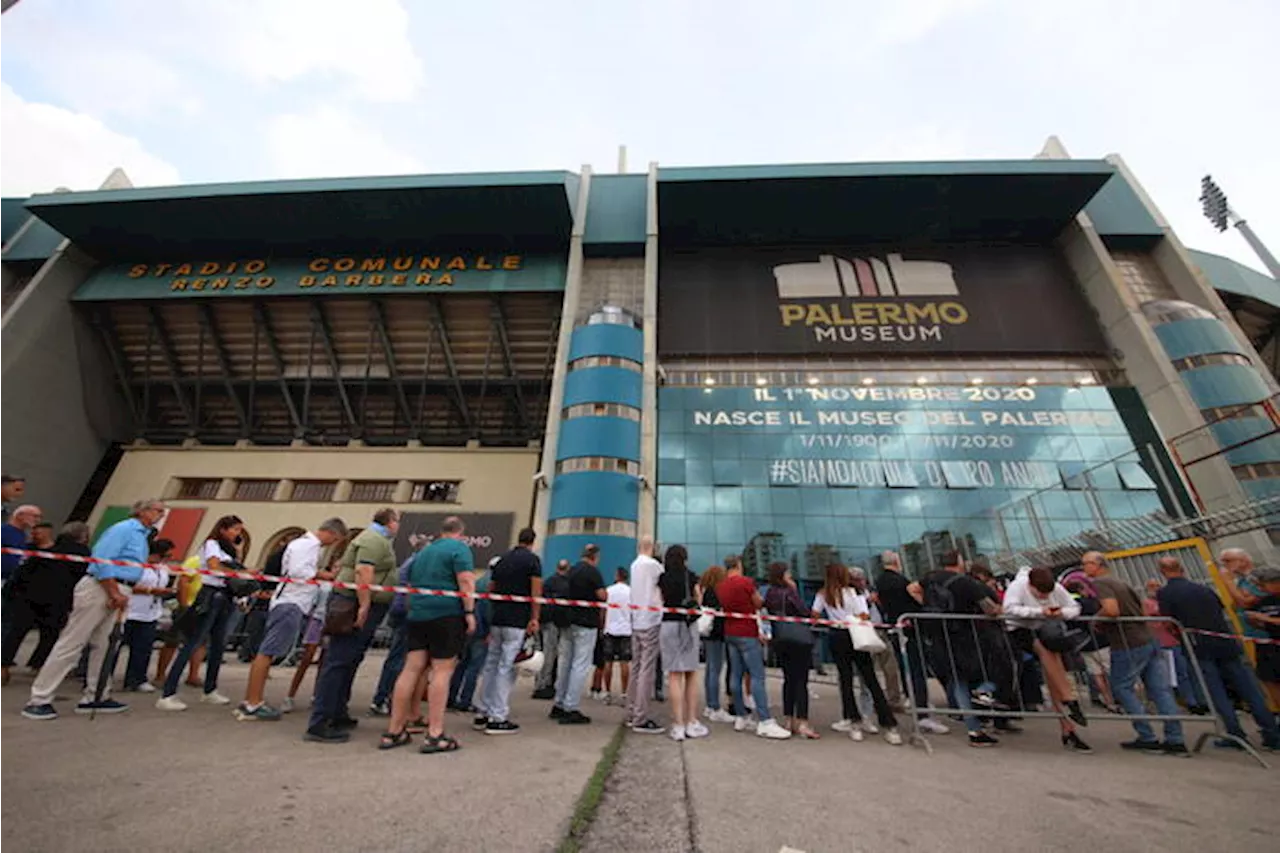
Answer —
435 632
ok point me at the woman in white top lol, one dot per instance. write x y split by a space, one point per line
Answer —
840 602
213 608
145 606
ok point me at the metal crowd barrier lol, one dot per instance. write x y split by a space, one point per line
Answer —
978 654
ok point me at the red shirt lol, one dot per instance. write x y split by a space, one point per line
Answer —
737 595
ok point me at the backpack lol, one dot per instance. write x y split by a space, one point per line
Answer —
939 597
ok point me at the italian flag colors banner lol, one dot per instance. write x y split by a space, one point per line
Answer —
180 526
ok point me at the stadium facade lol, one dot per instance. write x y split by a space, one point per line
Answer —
805 362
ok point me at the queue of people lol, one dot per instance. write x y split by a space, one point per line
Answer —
457 651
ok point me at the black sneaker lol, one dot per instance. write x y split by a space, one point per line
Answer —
545 693
1177 750
1072 743
40 712
1149 747
1007 728
345 723
557 712
1077 716
982 739
506 727
106 706
648 727
380 709
574 718
1199 710
982 699
327 733
480 722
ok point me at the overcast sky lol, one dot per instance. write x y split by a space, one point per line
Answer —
192 91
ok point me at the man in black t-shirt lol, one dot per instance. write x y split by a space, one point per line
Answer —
578 640
554 618
895 601
518 572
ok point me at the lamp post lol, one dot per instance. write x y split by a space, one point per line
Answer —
1214 203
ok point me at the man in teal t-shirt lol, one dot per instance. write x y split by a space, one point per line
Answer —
435 631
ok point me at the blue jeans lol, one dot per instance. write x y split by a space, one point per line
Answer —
1222 671
500 671
745 654
715 664
462 684
958 691
395 659
341 661
140 637
577 646
212 628
1144 662
1188 687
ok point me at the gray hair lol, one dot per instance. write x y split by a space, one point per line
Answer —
1266 574
76 530
336 526
857 572
891 558
139 507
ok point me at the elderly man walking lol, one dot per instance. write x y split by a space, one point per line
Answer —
96 604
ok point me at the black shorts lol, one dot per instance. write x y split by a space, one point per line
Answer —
597 654
617 648
440 638
1268 663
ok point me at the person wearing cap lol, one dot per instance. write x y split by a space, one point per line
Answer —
517 572
578 641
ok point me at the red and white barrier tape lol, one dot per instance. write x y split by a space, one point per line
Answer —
497 596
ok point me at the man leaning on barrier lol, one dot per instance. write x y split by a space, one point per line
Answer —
1221 659
1134 656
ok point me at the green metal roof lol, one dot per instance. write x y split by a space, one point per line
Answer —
1120 217
13 212
521 209
1227 275
616 208
869 202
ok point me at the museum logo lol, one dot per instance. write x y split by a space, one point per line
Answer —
869 299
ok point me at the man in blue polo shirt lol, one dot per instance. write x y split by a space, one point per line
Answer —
96 602
1198 607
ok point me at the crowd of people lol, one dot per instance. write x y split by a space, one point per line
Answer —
656 624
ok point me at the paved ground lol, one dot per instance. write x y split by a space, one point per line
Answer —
151 781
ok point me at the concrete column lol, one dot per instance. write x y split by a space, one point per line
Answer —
649 392
342 491
227 491
404 490
284 491
568 313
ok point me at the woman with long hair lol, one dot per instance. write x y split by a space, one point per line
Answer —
212 608
713 643
840 602
678 643
793 645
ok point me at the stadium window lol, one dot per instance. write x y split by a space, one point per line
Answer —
255 490
314 490
199 488
436 491
1134 477
373 491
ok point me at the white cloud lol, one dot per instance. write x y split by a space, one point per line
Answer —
332 142
908 20
364 45
46 147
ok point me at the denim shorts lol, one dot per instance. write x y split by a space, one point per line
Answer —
284 623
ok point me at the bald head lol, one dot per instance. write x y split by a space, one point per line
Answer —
646 546
890 561
26 517
1237 561
1170 567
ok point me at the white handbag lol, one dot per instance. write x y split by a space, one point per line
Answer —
865 637
706 622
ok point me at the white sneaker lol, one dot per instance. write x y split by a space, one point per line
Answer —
677 732
696 730
770 729
870 727
740 724
214 698
171 703
286 706
932 727
145 687
607 698
842 726
892 736
718 715
855 733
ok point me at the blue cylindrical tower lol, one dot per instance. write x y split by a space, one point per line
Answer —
596 488
1217 371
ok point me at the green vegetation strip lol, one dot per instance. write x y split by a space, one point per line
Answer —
584 813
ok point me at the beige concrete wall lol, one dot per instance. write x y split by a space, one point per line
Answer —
493 480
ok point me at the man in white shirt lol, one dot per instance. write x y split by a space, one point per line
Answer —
617 634
293 601
644 637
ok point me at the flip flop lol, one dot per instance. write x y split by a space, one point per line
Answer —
390 740
443 743
416 727
808 733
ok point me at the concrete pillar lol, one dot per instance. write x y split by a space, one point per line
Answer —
342 491
284 491
649 393
227 491
568 313
404 490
